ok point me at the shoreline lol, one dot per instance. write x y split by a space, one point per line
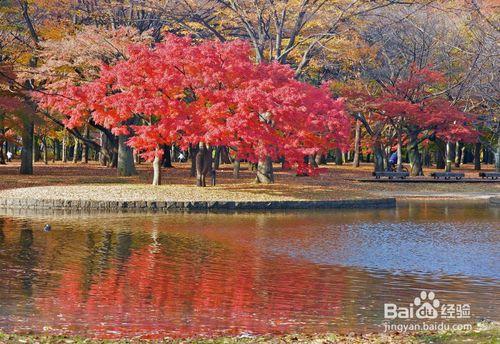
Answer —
481 333
135 197
64 204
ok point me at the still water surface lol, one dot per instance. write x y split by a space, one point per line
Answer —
185 274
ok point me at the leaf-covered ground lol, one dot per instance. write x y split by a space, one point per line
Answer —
338 182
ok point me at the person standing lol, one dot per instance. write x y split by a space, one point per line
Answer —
181 157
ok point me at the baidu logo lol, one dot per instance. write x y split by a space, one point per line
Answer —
426 306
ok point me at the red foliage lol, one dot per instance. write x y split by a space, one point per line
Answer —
183 93
415 104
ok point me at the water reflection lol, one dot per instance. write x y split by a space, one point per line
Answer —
186 274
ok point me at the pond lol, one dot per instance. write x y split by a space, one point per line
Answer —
188 274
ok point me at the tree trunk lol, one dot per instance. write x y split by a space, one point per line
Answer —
236 168
415 157
458 154
64 147
126 166
203 164
104 154
192 155
27 151
45 151
312 160
217 157
378 157
477 156
54 150
265 173
85 146
400 152
75 150
2 157
497 156
157 170
319 159
167 157
440 155
224 155
36 149
449 158
338 156
114 158
486 155
427 157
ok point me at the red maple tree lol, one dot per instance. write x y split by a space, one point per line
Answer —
207 94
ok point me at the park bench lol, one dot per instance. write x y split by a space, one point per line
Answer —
391 175
447 175
492 175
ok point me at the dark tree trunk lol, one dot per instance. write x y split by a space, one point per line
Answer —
415 157
427 157
114 159
378 157
3 147
27 152
224 155
320 159
45 152
236 168
203 164
112 146
192 155
167 157
265 174
54 150
312 160
458 154
36 149
477 156
449 156
338 157
440 162
216 161
126 166
497 156
2 156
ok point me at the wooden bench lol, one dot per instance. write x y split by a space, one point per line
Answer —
447 175
390 175
492 175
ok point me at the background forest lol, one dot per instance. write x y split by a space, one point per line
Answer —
419 78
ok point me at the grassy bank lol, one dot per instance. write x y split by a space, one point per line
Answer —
487 334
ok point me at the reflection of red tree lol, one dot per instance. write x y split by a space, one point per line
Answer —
154 294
